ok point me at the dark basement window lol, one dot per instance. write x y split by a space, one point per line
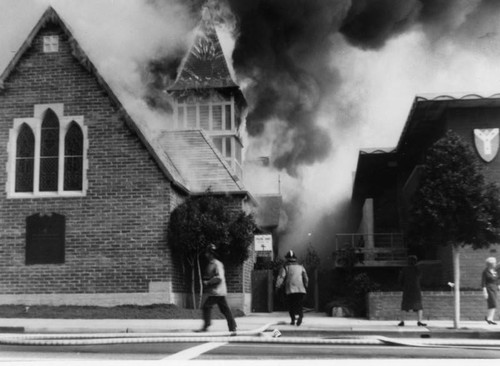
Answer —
45 238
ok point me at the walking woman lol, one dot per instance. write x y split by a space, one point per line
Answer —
489 283
412 294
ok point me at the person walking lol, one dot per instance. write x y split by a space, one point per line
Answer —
409 280
215 290
489 283
294 277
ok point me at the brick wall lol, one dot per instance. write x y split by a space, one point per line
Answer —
116 234
437 305
239 277
472 264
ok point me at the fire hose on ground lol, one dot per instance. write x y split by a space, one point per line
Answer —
258 335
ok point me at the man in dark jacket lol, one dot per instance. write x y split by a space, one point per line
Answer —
294 277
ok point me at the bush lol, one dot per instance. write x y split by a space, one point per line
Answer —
361 284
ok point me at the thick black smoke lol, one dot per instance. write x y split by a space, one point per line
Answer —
283 50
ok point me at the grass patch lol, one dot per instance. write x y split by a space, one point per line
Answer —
157 311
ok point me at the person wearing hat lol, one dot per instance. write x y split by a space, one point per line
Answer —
215 290
294 277
409 280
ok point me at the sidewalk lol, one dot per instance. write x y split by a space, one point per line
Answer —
315 324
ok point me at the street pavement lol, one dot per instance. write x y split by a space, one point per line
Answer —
314 325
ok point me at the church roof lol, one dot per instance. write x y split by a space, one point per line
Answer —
205 65
198 161
187 158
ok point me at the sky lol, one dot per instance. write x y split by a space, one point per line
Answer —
369 83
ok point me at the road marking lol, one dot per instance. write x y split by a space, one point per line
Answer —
193 352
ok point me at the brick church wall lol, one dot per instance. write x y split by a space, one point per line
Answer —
116 234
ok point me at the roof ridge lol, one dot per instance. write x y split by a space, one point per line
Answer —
48 15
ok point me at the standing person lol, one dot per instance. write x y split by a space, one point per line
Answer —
294 276
215 290
409 280
489 283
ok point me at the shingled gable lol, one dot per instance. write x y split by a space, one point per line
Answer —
51 16
199 162
205 65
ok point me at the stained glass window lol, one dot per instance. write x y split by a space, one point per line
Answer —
73 158
49 152
25 159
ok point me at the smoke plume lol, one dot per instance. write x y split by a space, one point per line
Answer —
305 67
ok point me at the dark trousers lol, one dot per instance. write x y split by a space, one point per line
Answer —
224 309
295 305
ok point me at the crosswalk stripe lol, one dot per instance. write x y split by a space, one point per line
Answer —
193 352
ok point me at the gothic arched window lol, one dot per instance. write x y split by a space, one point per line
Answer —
49 152
73 158
25 159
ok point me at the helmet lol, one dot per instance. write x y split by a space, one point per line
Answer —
290 255
211 248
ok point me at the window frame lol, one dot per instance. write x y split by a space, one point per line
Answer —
184 106
51 44
35 124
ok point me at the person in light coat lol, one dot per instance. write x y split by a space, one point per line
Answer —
294 277
489 283
215 291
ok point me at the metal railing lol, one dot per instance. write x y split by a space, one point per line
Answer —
370 247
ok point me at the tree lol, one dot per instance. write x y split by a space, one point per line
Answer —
204 220
454 205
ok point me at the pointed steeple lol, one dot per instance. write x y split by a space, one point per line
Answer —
205 65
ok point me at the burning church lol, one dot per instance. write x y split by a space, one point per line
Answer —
89 190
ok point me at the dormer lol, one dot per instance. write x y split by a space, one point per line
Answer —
205 95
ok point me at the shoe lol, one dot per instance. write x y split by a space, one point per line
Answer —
202 330
401 324
299 321
420 324
232 332
292 322
491 322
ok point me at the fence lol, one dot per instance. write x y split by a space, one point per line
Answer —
361 248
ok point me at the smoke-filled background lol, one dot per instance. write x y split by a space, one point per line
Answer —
323 78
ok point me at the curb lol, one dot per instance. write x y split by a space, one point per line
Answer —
473 334
11 329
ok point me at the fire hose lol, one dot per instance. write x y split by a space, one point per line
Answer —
258 335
